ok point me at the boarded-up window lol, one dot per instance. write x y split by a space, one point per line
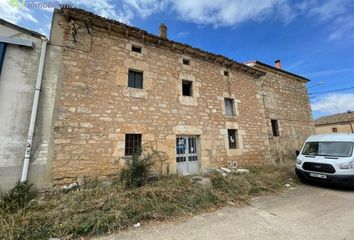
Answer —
135 79
229 107
232 136
132 144
275 127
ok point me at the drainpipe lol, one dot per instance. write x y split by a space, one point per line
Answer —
34 111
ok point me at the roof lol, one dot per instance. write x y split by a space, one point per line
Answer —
335 119
122 28
21 29
335 137
254 63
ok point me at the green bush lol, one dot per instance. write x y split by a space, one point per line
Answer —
139 166
137 171
17 197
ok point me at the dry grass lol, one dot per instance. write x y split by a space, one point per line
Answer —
100 210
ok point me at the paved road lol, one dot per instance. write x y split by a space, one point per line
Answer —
306 212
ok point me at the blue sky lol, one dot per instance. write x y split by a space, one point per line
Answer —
313 38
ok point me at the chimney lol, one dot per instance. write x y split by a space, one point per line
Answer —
277 64
163 31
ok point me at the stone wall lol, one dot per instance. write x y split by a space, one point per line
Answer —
95 108
335 128
286 100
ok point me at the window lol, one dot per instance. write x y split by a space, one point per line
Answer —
186 61
229 107
275 127
187 88
135 79
2 54
226 73
232 134
132 144
136 48
331 149
334 130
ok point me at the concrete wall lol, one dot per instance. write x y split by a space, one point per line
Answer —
17 86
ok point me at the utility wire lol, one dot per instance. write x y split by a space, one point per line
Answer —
336 90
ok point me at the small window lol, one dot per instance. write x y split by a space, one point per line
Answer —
226 73
275 127
334 130
136 48
186 61
135 79
232 136
187 88
2 54
132 144
229 107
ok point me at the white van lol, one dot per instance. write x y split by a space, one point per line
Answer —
327 158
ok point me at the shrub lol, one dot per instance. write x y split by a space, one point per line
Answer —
17 197
138 167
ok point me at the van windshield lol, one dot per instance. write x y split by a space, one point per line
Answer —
333 149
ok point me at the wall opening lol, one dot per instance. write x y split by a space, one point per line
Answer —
275 127
232 136
187 88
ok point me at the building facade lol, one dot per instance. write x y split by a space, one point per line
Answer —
336 123
123 88
110 89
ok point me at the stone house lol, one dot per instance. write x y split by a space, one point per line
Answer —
336 123
122 87
118 88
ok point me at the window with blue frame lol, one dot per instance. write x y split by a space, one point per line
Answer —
2 54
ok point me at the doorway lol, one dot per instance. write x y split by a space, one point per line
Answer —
187 159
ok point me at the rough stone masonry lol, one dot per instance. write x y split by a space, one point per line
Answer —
242 114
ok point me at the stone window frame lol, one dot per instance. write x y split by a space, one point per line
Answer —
121 78
141 55
235 133
222 73
236 103
181 60
233 109
118 139
188 100
138 139
240 135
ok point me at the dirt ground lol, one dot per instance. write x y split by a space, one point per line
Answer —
304 212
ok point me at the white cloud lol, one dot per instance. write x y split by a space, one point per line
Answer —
145 8
105 8
342 27
336 14
229 12
334 103
327 10
15 14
